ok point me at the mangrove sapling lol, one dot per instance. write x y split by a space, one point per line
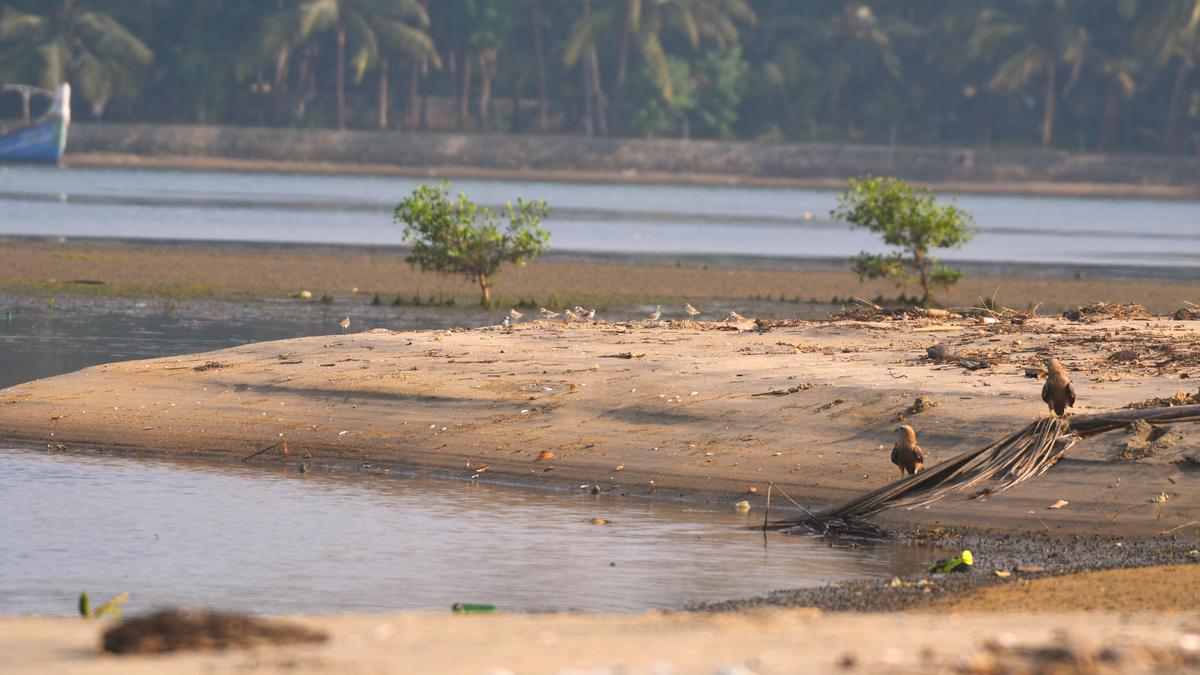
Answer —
913 222
456 236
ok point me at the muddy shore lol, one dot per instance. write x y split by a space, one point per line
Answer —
773 288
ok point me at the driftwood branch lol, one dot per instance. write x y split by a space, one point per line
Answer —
1004 464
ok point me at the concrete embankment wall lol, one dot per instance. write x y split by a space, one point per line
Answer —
629 156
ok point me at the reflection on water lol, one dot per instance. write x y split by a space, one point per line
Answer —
268 540
38 341
619 218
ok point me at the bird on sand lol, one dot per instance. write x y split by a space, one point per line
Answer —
656 315
571 316
734 317
345 324
548 314
906 454
1058 392
692 311
507 323
514 315
590 314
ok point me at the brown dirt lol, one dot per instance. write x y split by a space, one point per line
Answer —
1169 588
167 270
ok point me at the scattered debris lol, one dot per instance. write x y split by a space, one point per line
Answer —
1058 504
742 506
784 392
922 404
939 352
210 365
622 355
1180 398
178 629
544 456
1102 310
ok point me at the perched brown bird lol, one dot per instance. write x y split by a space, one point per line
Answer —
1058 392
345 324
906 454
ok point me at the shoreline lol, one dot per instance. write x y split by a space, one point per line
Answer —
1042 188
769 287
446 402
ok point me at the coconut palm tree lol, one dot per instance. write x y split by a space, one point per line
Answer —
363 31
1038 39
647 24
71 40
1170 33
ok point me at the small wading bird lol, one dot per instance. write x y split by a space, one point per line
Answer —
906 454
735 317
571 316
514 315
548 314
1058 392
656 315
345 324
692 311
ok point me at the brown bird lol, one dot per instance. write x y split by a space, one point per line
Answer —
1058 392
906 454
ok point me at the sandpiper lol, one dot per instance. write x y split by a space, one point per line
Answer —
692 311
514 315
548 314
345 324
656 315
734 316
571 316
506 323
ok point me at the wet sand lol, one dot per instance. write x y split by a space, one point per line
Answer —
808 289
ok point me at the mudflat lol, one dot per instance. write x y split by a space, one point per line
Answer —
808 289
674 409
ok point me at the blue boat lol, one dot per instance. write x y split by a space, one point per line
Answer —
43 139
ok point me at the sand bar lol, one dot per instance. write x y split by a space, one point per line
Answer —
664 410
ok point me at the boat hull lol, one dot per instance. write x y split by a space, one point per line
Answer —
43 141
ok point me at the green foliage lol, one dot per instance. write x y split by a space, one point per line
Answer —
456 236
705 100
913 222
67 41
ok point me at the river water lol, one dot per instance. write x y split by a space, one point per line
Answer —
277 541
611 218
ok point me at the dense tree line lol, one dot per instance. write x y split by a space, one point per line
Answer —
1090 74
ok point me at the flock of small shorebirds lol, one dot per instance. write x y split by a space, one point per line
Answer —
581 314
1058 392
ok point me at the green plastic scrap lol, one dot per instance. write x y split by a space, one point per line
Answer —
958 563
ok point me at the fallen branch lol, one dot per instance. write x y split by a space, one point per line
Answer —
1026 454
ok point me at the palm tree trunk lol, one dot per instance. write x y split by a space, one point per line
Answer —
279 88
1051 103
487 73
464 94
383 92
1112 110
1171 134
412 101
540 56
341 76
598 90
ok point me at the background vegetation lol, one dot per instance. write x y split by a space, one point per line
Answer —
1076 74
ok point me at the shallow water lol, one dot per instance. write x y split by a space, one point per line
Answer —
621 218
37 340
273 540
